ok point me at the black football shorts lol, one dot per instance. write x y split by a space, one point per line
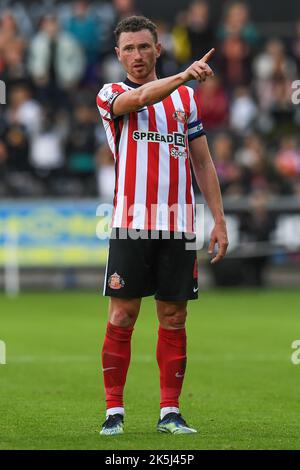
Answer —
151 263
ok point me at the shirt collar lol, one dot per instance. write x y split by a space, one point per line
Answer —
132 84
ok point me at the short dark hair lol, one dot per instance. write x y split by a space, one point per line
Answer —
133 24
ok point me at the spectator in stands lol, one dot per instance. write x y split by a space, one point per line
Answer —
287 159
56 61
20 124
15 139
296 187
251 148
81 147
256 227
8 30
192 32
166 64
199 29
295 47
243 111
24 109
12 49
270 66
3 158
237 24
181 43
105 172
234 62
214 104
47 156
86 29
14 65
229 173
261 175
282 110
237 37
124 8
18 173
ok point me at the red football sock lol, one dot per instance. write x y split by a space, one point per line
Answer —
171 358
115 362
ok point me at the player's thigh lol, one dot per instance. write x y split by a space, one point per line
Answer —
177 271
129 270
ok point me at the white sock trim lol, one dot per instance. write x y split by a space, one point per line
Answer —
168 409
117 410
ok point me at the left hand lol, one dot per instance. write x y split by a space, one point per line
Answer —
219 236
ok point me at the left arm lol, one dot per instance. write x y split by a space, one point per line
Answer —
208 183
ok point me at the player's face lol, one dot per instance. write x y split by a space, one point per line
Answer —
138 54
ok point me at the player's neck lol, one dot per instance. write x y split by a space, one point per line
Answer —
141 81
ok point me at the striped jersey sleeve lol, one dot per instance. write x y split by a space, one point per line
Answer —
106 97
195 126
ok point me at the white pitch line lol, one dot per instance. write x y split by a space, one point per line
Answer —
147 358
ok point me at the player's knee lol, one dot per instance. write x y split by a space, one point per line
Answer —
123 317
173 316
178 320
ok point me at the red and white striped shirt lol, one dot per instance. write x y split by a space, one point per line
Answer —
153 186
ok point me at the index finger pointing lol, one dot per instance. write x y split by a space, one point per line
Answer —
208 55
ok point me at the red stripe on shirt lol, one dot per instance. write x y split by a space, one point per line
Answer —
112 128
130 173
197 101
116 127
103 105
174 170
185 98
152 174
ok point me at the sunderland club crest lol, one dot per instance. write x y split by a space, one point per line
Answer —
180 116
115 281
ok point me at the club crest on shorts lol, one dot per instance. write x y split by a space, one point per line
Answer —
115 281
180 116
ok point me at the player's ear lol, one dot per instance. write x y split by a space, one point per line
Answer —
117 52
158 49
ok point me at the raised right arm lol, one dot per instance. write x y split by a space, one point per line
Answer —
157 90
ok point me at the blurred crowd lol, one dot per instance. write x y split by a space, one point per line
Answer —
55 56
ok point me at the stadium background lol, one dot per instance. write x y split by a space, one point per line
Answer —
55 170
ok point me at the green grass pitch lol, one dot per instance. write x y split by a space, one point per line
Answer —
241 389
